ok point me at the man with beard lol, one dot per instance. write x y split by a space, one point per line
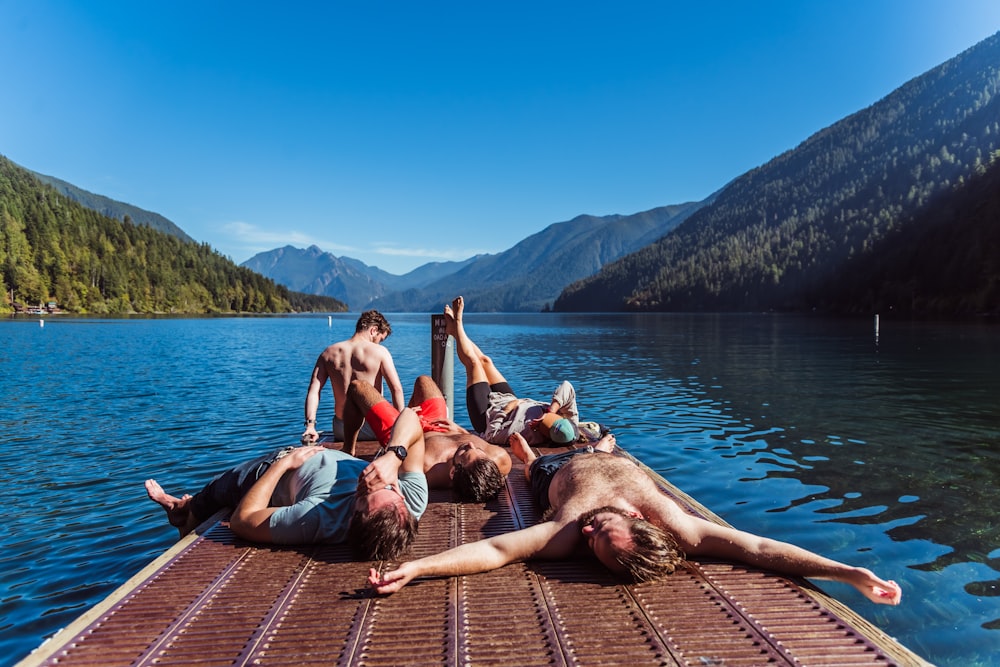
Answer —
605 503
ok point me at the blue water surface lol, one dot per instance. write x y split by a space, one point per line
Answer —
880 451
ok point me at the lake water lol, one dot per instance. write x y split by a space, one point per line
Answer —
878 451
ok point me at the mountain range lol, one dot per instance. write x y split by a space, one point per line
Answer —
813 229
782 236
545 263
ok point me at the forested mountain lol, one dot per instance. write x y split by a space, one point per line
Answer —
55 249
945 262
114 209
530 275
779 235
314 271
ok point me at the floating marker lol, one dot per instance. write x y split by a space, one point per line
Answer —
329 320
41 323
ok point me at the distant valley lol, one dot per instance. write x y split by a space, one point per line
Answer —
544 264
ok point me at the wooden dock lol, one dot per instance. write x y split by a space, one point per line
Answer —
213 599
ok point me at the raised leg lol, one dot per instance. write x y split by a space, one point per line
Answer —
361 396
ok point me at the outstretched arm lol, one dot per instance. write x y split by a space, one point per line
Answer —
544 540
704 538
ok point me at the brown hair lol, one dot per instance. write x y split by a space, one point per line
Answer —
373 318
652 554
384 534
477 482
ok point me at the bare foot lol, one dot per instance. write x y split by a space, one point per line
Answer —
519 448
178 513
453 316
606 444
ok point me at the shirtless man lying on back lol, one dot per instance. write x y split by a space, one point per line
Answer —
453 457
606 503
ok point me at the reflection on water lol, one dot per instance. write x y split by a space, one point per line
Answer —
879 453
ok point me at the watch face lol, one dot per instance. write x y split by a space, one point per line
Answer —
400 452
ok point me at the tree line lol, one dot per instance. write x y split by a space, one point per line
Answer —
53 249
784 235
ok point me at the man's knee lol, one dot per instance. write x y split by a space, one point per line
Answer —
424 388
363 394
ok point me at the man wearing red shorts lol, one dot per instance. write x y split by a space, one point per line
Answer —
453 457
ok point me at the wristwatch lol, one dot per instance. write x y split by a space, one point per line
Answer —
398 451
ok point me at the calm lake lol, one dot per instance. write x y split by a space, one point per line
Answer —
881 451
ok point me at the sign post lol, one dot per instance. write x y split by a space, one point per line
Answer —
443 361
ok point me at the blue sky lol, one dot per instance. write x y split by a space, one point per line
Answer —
400 133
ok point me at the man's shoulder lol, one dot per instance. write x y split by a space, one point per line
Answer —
336 348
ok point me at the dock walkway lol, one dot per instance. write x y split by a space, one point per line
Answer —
215 600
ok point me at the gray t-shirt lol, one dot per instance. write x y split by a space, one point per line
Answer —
317 500
500 424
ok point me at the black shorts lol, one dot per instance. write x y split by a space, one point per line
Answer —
477 402
544 468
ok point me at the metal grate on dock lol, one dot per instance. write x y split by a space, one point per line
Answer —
216 600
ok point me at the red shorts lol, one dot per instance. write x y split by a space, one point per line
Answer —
433 415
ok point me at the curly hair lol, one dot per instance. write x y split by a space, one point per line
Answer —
373 318
477 482
652 554
384 534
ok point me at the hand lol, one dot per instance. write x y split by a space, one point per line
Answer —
875 589
380 473
309 435
519 448
392 581
300 455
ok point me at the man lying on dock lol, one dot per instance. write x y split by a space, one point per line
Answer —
453 457
494 410
328 497
607 504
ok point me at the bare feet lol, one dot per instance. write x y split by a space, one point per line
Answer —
177 509
453 316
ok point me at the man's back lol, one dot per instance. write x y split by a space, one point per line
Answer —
353 359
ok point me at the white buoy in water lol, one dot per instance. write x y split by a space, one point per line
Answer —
41 323
329 320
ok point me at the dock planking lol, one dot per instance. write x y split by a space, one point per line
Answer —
214 599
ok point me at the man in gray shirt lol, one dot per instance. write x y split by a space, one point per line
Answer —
311 494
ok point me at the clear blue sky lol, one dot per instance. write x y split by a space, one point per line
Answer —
400 133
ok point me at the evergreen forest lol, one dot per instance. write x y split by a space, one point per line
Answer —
789 234
54 250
